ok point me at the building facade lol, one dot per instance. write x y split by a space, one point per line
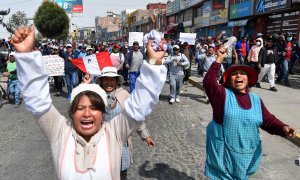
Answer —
237 17
204 17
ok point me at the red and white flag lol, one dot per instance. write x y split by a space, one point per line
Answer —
93 63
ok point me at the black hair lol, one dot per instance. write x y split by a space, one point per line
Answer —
95 99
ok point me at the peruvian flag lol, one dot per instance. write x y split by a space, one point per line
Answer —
93 63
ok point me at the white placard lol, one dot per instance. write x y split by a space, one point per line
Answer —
136 36
55 65
188 37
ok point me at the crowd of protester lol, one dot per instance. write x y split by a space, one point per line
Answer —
95 98
269 55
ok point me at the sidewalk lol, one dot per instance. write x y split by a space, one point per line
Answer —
286 109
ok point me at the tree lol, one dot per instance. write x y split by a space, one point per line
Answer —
16 21
51 20
64 35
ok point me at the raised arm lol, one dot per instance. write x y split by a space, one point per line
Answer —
148 87
34 85
145 96
31 74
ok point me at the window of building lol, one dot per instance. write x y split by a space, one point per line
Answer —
179 18
199 11
188 15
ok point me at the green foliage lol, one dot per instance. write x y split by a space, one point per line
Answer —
51 20
64 35
16 21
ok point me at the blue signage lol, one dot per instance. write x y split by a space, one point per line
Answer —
238 23
266 6
241 10
71 6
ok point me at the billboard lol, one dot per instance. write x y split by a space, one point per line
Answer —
71 6
218 17
242 9
184 4
207 8
267 6
193 2
218 4
169 7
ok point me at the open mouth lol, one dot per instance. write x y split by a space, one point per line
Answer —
238 82
86 124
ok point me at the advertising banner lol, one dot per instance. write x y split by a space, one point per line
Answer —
184 4
201 21
238 23
176 6
55 65
241 10
193 2
218 17
267 6
207 8
169 7
188 37
135 36
71 6
218 4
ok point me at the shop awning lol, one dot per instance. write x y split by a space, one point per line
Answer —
238 23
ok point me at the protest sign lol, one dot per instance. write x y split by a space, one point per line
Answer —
54 65
136 36
190 38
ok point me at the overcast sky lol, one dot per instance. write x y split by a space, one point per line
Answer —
91 8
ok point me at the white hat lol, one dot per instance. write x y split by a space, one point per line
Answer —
259 35
89 87
55 47
176 46
69 45
89 48
110 71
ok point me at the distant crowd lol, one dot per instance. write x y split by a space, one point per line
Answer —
267 54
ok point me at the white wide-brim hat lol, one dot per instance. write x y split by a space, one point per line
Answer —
110 71
89 87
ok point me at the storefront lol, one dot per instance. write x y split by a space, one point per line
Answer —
280 16
218 21
239 19
202 22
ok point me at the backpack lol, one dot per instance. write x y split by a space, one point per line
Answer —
120 56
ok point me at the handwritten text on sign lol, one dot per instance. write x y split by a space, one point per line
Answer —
190 38
55 65
136 36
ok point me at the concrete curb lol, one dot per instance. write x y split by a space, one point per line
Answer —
196 82
295 141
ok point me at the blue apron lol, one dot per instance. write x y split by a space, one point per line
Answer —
233 148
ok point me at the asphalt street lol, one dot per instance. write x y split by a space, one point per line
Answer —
178 131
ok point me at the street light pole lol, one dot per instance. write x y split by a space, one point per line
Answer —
75 31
